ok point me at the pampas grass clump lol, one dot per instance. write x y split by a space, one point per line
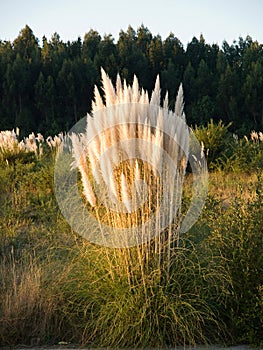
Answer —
141 283
11 148
132 160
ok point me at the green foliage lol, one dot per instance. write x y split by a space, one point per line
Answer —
236 233
18 156
227 152
48 88
245 154
248 154
215 138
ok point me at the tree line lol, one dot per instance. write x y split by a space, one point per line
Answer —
47 88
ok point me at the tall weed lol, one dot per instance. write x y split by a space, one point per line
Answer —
235 231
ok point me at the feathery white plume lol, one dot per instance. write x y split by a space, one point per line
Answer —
129 127
179 103
81 163
108 89
125 193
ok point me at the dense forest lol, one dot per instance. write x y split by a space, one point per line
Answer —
48 87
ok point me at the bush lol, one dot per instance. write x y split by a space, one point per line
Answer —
246 154
216 139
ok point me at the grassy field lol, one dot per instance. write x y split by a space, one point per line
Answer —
202 286
55 286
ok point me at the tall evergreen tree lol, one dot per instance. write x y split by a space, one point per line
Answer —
49 88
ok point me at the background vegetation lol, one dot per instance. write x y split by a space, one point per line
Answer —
47 87
55 286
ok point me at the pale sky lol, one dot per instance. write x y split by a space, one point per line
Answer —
217 20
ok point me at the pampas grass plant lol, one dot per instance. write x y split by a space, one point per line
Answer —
131 161
27 149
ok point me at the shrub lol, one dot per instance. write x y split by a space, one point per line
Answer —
216 139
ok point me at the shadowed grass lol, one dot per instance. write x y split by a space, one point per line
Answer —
119 305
